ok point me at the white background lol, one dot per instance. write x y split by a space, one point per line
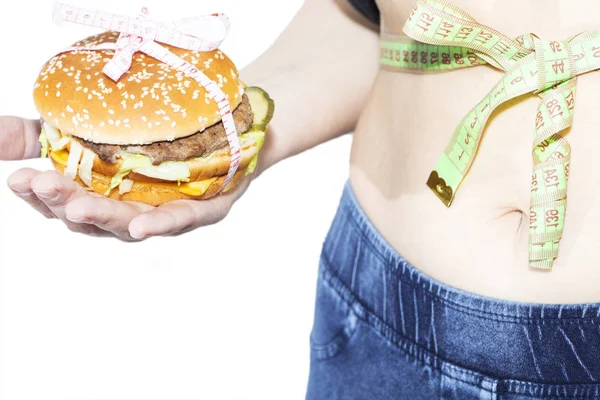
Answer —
188 317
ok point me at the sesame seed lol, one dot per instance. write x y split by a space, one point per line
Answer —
69 108
110 111
58 93
58 84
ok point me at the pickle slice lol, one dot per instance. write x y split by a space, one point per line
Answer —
263 108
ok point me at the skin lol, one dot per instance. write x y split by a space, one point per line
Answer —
480 243
401 123
281 72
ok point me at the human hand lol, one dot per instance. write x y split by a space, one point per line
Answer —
56 196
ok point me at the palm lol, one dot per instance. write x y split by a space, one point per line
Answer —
57 196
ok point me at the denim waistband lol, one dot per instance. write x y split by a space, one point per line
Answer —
533 349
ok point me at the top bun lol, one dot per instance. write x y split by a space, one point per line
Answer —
151 102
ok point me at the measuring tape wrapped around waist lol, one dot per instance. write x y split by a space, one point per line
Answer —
441 37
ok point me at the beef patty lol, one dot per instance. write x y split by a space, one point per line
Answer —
197 145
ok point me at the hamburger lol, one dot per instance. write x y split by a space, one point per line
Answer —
153 136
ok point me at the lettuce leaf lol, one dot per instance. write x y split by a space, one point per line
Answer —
130 162
73 162
167 170
86 166
57 141
44 141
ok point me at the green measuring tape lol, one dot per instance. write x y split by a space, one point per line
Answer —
441 37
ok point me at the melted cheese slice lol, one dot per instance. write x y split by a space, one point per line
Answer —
197 188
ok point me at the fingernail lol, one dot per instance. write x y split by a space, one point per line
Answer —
20 188
137 235
49 195
78 220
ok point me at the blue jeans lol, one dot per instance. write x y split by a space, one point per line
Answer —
384 330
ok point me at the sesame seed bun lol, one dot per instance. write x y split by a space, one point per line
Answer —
151 102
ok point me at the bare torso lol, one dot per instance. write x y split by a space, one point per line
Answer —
480 243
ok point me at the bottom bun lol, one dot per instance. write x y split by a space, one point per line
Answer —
157 193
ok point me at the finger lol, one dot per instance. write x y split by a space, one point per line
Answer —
20 183
107 214
178 217
182 216
19 138
56 191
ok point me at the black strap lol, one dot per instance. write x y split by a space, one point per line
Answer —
368 8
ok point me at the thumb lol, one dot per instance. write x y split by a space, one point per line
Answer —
19 138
